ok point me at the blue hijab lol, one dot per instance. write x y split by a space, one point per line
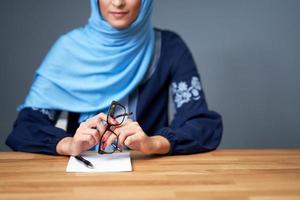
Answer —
89 67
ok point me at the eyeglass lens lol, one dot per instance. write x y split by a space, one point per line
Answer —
116 116
118 113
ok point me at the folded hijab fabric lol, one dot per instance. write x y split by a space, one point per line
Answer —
90 66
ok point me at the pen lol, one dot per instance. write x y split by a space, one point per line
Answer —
86 162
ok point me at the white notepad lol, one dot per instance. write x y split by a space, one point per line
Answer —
116 162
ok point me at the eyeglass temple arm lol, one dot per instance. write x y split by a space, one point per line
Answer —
124 114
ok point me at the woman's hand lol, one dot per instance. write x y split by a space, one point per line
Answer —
132 135
87 135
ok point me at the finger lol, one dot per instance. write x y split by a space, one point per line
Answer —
89 131
88 139
113 121
123 134
129 141
82 129
100 128
127 122
94 133
112 137
95 121
103 139
101 116
104 117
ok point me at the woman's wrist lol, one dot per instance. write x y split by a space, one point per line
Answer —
63 146
158 145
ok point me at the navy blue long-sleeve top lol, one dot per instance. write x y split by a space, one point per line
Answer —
193 129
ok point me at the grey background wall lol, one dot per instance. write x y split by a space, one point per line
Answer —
247 51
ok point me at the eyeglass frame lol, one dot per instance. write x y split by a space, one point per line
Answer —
110 113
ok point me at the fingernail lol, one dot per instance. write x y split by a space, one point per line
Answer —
120 147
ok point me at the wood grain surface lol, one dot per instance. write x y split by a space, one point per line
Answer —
223 174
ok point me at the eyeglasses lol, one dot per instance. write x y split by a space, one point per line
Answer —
117 112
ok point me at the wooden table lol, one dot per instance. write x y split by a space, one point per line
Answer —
222 174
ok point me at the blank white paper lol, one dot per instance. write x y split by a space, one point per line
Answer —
116 162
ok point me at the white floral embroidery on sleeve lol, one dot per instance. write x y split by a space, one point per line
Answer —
184 94
52 114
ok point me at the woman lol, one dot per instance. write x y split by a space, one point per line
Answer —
117 56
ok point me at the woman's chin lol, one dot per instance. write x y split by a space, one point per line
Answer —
119 24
